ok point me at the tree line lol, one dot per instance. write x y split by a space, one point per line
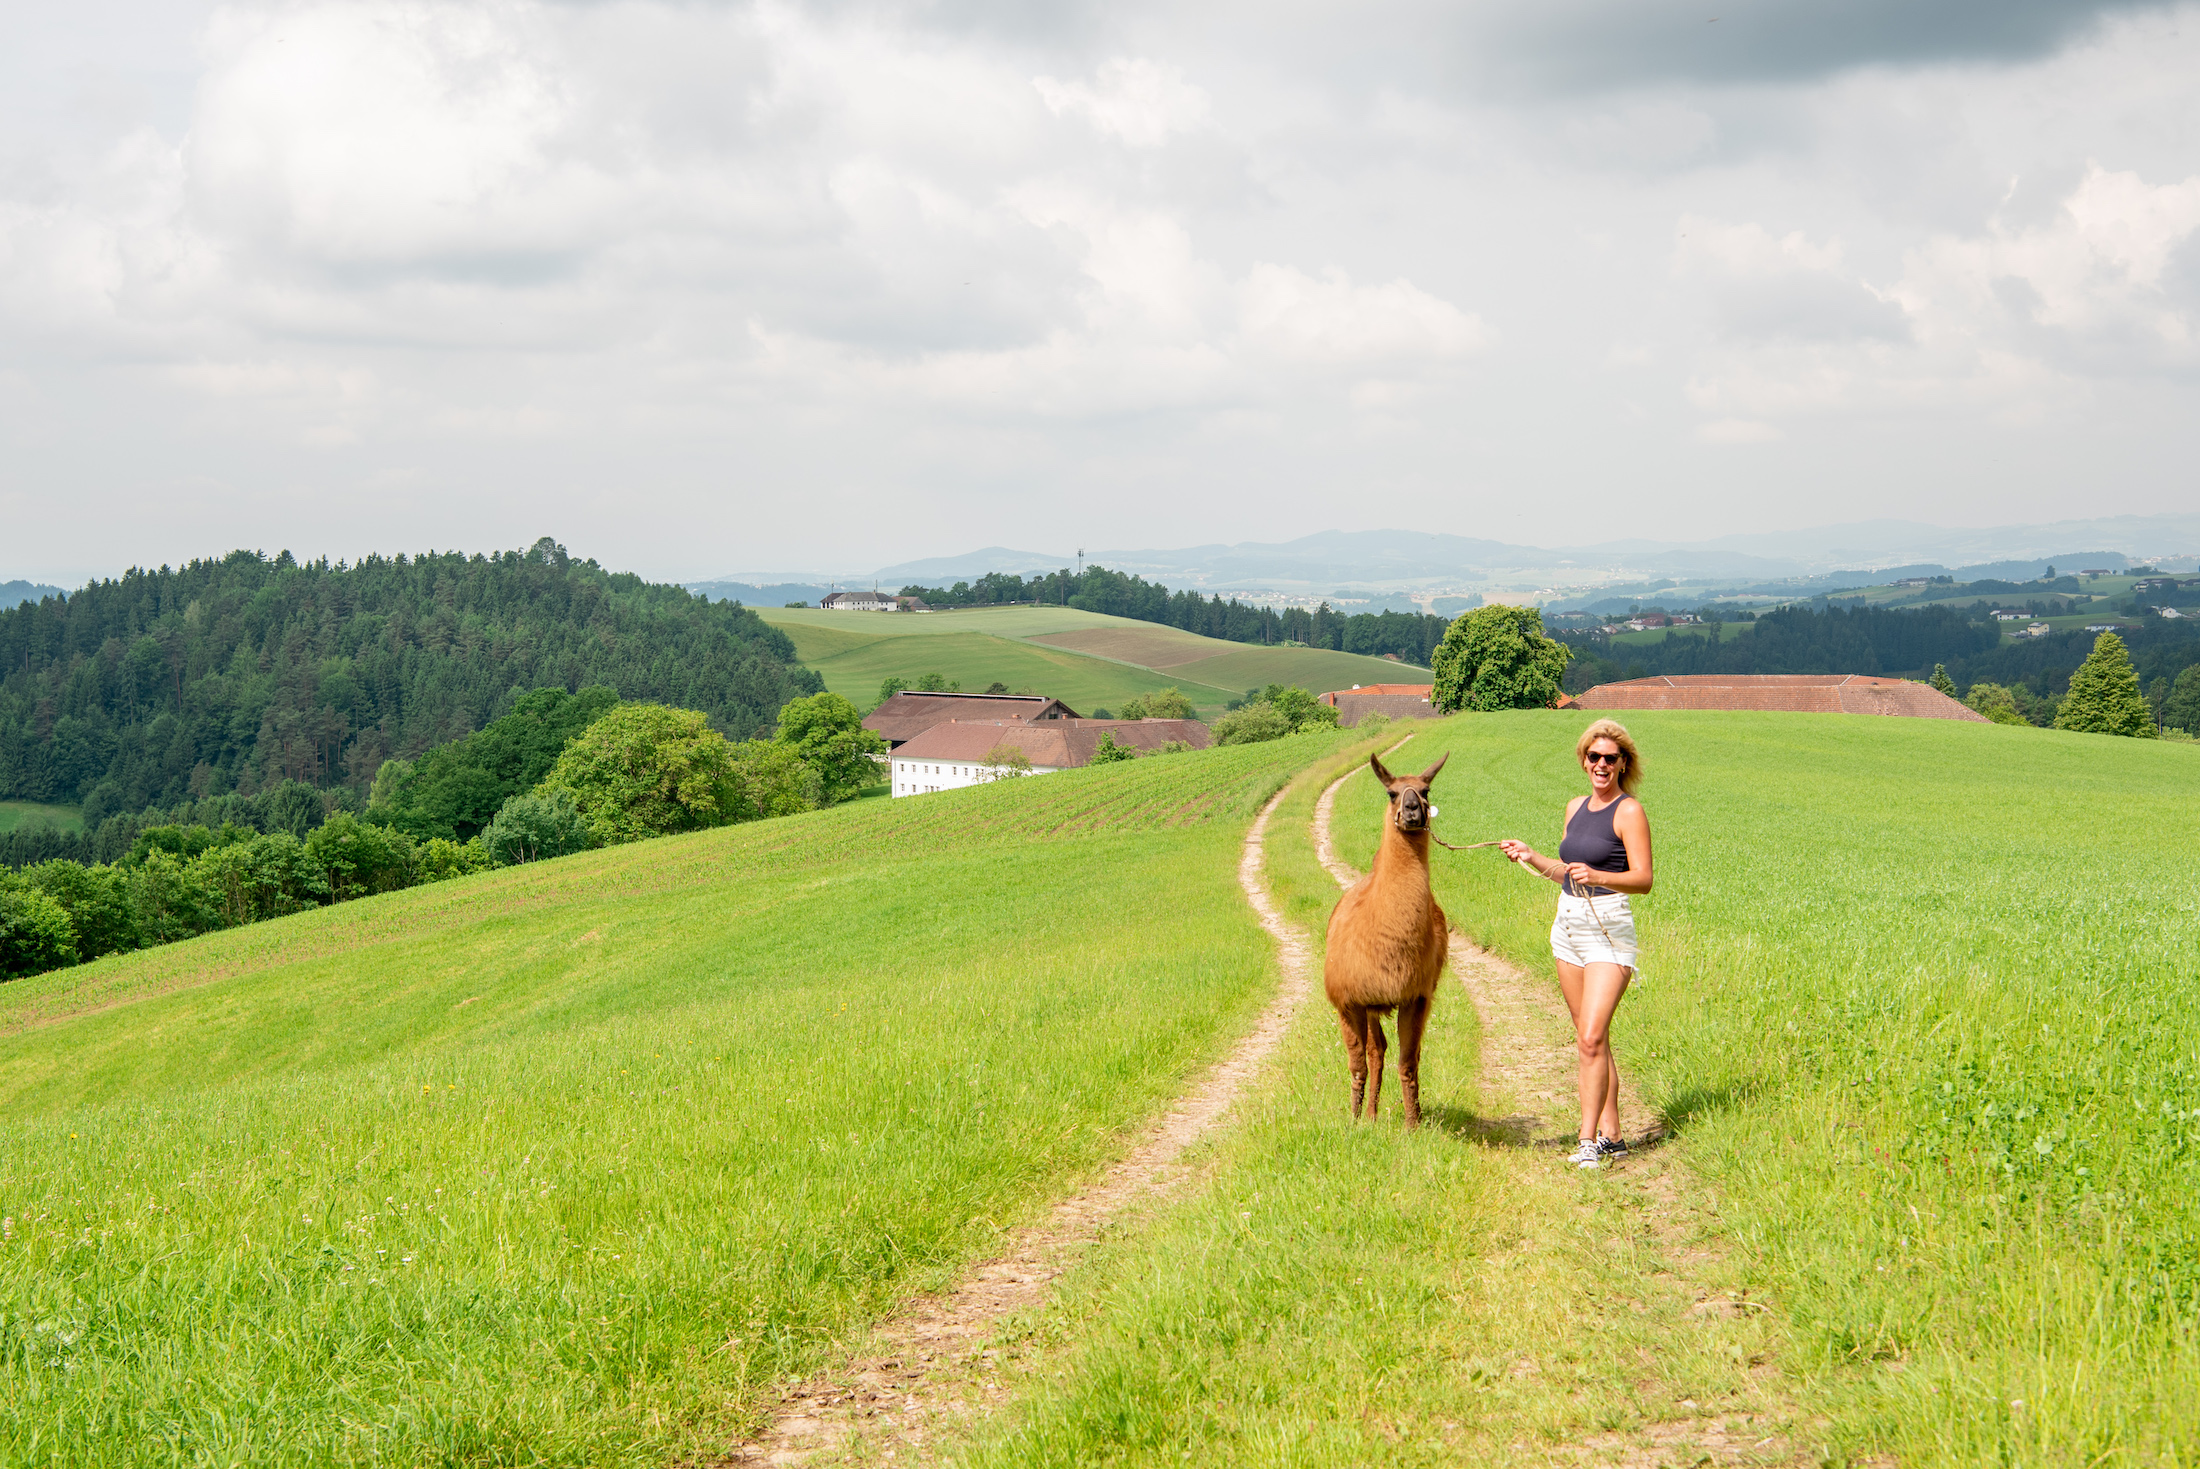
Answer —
562 773
244 674
1411 636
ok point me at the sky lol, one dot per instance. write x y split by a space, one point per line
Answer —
706 288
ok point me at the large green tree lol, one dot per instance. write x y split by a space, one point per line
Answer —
2181 710
827 732
1497 657
644 770
2104 695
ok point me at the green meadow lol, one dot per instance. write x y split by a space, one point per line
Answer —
1086 659
572 1163
1924 1027
567 1163
30 813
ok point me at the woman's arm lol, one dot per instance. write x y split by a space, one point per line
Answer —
1535 861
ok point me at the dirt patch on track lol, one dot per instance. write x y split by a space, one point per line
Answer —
932 1363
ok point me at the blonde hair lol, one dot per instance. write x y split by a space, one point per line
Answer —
1630 768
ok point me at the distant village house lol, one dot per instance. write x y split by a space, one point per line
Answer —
950 756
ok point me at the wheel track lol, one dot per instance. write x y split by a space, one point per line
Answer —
931 1363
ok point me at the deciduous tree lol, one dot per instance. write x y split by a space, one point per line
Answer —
827 732
1497 657
644 770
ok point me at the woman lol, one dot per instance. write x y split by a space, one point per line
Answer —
1603 857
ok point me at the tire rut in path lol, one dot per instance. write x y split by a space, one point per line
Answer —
931 1361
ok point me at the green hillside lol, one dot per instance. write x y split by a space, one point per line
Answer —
1936 1094
564 1163
1086 659
575 1162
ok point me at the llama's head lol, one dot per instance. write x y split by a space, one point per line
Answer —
1409 806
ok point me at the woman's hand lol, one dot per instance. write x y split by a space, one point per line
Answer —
1584 875
1518 851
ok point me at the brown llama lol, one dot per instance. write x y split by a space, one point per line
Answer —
1387 941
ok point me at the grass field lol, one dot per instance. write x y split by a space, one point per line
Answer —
565 1163
1931 1061
1083 658
1919 998
30 813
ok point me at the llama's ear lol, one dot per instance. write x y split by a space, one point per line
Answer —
1430 773
1375 763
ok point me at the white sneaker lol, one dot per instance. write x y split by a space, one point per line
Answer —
1588 1155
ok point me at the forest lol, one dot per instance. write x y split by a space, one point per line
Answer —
240 676
1411 636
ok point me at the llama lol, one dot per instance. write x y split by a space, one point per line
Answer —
1387 941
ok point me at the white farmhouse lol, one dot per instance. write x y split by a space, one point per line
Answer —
857 602
949 756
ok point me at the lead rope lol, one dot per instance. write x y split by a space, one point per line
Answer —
1589 894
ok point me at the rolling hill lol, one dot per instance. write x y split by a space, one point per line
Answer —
580 1162
1086 659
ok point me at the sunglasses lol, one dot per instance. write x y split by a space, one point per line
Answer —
1598 757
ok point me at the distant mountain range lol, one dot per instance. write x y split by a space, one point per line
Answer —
1370 563
13 593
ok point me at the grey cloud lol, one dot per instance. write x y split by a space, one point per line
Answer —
1595 43
1806 308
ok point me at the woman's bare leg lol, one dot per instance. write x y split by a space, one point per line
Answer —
1592 993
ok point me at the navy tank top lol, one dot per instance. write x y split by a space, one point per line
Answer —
1589 838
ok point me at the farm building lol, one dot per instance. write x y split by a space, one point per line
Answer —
913 711
1398 700
1794 693
857 602
955 754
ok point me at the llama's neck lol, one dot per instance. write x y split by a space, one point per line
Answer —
1402 858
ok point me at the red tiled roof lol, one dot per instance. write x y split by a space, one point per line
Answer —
1057 744
912 712
1793 693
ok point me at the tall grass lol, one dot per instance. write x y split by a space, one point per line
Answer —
566 1163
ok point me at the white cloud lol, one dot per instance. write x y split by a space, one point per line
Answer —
530 260
1138 101
1301 318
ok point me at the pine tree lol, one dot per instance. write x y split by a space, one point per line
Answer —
2104 695
1942 682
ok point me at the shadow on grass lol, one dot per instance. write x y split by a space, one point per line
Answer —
1530 1130
1698 1100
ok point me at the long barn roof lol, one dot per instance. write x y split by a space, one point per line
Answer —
1793 693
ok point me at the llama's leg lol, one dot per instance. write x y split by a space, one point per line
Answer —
1350 1020
1377 1043
1412 1022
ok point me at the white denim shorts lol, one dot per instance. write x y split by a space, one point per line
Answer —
1577 938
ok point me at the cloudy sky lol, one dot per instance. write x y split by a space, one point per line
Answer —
702 288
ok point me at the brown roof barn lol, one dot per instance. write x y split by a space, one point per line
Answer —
1398 700
912 712
1792 693
1056 744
